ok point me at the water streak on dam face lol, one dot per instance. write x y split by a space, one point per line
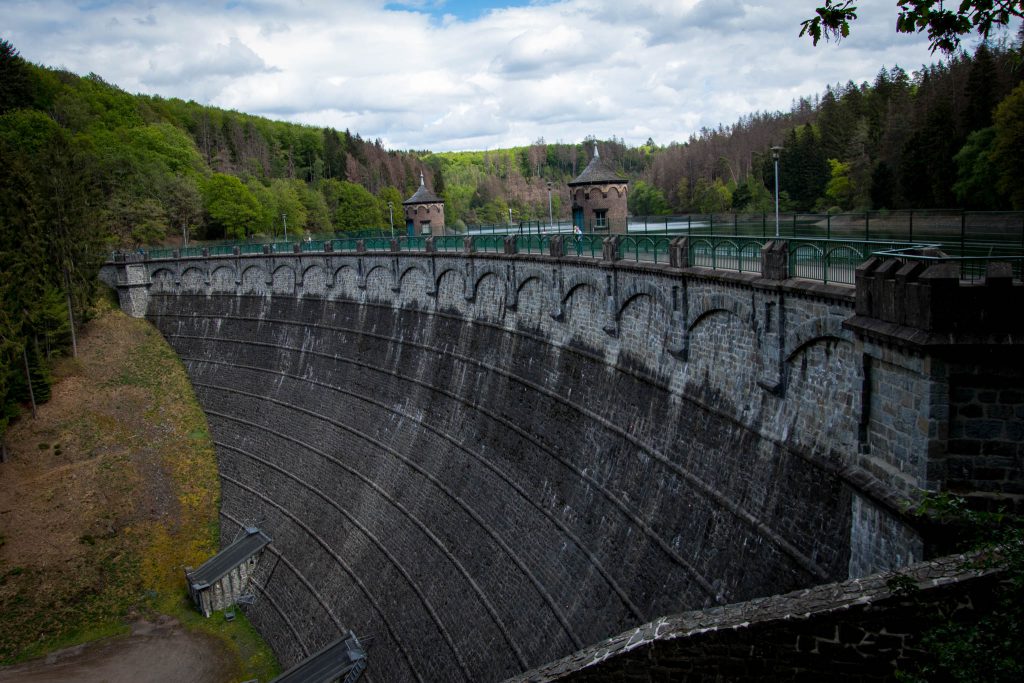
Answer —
488 464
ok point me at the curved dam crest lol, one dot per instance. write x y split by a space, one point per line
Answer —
488 463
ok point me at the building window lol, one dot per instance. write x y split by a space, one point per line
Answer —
600 219
425 227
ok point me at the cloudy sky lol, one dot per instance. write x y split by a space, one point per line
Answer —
455 74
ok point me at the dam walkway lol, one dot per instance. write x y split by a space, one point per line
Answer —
830 261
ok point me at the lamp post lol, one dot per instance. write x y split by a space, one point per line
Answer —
391 219
775 158
510 218
284 219
551 219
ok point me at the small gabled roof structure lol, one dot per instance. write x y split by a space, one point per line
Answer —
423 195
345 657
596 172
227 559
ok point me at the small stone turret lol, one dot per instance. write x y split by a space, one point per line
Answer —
599 198
424 212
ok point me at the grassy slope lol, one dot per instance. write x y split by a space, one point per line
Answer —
106 496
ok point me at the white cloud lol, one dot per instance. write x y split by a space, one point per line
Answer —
418 79
232 60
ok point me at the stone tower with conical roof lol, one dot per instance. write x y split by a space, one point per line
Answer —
424 212
599 198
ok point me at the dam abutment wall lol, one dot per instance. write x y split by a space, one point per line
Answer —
488 462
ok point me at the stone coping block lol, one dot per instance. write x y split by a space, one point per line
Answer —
863 620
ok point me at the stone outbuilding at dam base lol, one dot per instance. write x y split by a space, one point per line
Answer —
424 212
599 198
223 579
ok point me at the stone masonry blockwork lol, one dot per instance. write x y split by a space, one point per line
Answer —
489 463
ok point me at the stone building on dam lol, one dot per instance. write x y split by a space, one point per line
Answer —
489 462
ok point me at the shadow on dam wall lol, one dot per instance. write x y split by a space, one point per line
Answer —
485 483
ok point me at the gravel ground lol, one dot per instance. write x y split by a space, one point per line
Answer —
154 652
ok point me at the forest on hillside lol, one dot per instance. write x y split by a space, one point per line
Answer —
86 167
948 136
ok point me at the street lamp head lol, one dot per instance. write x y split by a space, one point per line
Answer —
775 152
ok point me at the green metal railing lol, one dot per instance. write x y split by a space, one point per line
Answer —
377 243
824 260
414 243
344 244
534 244
832 260
494 244
449 243
972 268
742 254
584 246
648 249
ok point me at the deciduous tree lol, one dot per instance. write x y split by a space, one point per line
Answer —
1008 146
647 200
231 206
945 26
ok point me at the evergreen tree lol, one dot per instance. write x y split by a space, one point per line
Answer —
927 170
882 182
15 79
834 122
334 154
980 91
803 168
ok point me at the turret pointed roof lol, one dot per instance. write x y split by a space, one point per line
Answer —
423 195
597 172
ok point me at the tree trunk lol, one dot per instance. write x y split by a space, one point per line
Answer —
71 316
28 380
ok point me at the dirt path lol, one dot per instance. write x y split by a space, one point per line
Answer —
154 652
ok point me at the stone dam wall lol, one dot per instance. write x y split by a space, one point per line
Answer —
487 463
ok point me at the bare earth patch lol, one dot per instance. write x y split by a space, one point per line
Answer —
154 652
105 496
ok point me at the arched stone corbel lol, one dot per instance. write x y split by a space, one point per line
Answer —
678 342
772 342
469 283
611 306
558 310
511 291
396 285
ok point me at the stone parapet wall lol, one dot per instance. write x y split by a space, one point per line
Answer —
852 631
945 378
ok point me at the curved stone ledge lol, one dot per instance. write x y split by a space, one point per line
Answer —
851 631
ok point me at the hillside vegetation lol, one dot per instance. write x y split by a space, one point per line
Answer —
106 496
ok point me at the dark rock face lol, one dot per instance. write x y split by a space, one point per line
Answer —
487 483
